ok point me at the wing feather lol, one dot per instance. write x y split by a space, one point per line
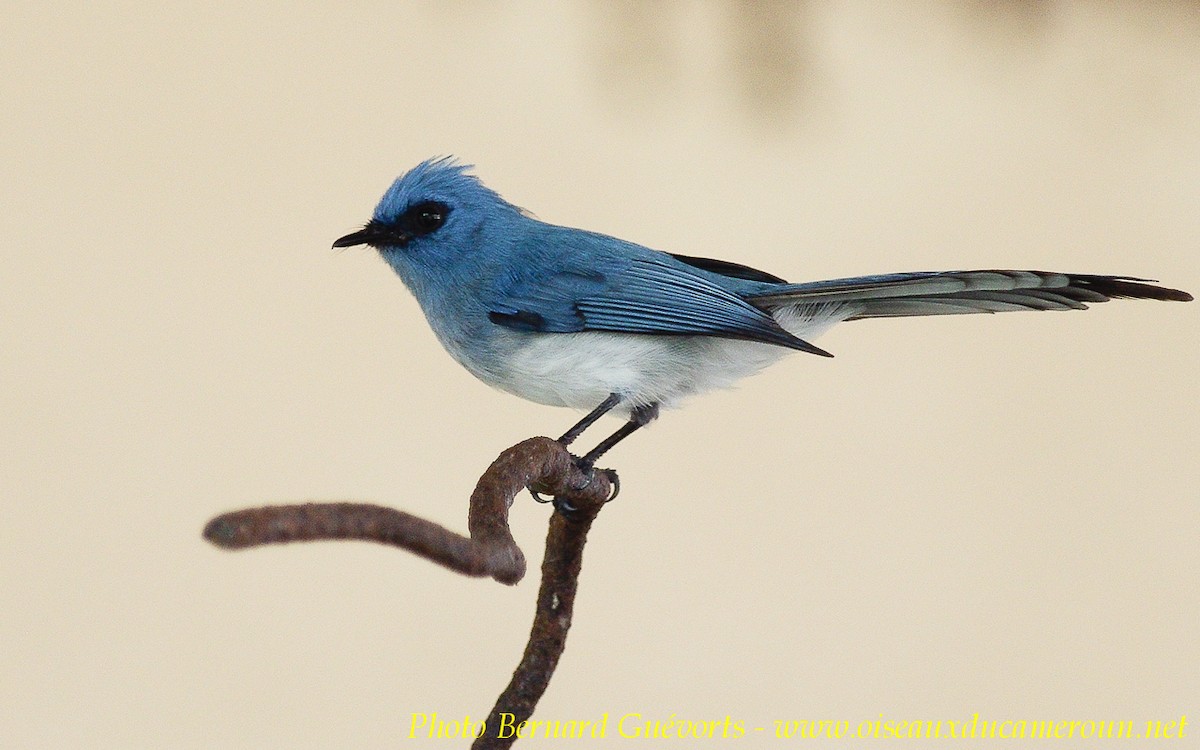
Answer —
646 295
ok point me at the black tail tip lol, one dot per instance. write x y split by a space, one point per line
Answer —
1129 287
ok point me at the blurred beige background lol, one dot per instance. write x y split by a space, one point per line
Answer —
985 514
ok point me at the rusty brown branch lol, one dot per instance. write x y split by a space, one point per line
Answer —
539 463
552 618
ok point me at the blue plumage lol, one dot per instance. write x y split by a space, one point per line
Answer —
634 292
574 318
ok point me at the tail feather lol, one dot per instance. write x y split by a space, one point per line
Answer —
1116 287
959 292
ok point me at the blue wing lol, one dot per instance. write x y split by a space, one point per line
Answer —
643 294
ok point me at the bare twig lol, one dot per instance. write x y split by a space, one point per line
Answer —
539 463
274 524
552 619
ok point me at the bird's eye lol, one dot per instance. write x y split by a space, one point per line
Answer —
425 218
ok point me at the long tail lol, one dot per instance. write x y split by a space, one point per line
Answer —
958 292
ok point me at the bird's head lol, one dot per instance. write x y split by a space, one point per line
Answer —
432 217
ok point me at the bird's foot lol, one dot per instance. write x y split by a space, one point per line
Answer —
589 473
586 468
615 481
585 465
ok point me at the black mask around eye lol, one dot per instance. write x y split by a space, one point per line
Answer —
423 218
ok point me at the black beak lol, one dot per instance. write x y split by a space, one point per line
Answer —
361 237
374 234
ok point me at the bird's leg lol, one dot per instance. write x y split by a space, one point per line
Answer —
639 417
576 430
604 408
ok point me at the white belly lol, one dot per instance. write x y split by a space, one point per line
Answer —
579 370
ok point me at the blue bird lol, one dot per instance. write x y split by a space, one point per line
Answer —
567 317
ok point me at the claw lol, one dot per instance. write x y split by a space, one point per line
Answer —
564 506
615 481
589 473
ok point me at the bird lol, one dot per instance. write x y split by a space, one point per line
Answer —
573 318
